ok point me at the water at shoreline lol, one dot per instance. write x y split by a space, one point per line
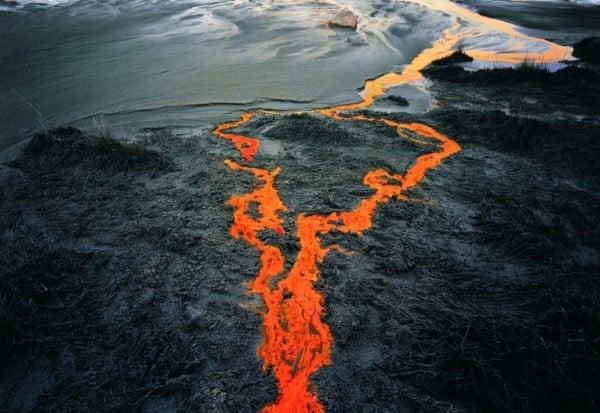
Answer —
169 63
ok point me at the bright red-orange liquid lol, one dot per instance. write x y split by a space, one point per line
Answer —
296 340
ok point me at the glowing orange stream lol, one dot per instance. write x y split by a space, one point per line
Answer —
247 145
552 52
296 340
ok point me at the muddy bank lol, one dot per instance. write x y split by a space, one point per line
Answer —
121 288
115 290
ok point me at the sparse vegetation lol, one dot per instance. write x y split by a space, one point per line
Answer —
102 128
531 70
569 79
531 65
458 56
398 100
67 145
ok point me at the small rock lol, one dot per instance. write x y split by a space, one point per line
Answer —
397 99
344 19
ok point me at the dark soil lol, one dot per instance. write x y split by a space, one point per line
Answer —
122 290
398 100
458 56
116 291
588 50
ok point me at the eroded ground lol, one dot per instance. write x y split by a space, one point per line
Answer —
122 289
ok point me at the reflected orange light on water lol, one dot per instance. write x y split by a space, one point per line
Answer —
296 340
481 26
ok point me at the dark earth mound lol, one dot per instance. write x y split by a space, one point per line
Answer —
67 146
588 49
122 290
458 56
398 100
115 294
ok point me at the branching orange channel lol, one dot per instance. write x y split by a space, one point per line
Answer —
296 340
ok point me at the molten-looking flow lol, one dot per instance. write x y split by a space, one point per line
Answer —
296 340
245 144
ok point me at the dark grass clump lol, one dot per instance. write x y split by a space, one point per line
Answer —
531 70
68 146
588 50
398 100
567 80
458 56
527 71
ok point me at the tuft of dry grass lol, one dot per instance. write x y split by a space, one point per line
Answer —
458 56
69 146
